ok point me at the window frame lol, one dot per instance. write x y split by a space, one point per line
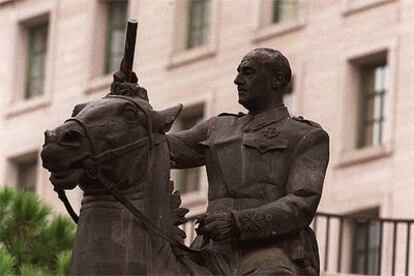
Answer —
111 26
15 161
277 6
99 81
179 54
348 154
31 53
265 28
364 117
365 224
204 24
25 18
22 171
351 7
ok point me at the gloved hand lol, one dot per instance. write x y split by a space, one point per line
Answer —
219 226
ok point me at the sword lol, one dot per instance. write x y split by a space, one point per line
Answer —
127 75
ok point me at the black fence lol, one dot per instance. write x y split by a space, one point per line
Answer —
358 244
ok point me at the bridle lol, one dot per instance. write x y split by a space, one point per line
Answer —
92 163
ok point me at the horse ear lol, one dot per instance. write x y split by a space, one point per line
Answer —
168 117
77 109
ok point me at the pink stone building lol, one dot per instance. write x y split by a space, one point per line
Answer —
352 62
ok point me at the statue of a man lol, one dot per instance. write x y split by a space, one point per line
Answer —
265 171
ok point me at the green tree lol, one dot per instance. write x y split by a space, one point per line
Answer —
32 241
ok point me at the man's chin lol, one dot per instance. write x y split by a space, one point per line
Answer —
245 103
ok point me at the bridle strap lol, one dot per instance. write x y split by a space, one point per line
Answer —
140 216
62 196
146 112
120 151
84 127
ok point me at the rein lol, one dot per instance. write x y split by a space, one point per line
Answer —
93 171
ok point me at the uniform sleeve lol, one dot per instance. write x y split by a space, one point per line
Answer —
303 192
185 148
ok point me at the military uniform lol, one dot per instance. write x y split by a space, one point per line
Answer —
268 170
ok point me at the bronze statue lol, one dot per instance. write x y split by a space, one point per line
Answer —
265 172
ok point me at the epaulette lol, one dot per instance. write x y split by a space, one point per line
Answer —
240 114
309 122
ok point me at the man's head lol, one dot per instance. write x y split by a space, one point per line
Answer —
262 77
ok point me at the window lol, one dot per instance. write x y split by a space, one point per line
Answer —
278 17
369 102
188 180
115 34
284 10
372 91
36 60
366 244
198 23
194 31
26 174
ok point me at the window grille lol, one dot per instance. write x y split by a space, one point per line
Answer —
36 63
116 24
198 23
284 10
373 87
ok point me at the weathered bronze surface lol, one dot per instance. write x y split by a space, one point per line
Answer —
265 171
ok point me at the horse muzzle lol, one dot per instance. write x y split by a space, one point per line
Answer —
62 156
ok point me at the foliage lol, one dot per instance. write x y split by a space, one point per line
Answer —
6 262
32 241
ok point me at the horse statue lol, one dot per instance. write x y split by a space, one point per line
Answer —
115 149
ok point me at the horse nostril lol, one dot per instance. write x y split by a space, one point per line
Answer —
49 134
71 138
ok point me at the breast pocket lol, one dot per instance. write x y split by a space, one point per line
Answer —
223 162
264 145
265 159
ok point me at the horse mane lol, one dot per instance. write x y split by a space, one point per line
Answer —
177 213
128 89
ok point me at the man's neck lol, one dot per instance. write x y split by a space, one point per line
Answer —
266 108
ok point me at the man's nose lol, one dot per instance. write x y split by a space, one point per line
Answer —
238 80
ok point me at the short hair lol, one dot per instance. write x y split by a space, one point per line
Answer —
273 61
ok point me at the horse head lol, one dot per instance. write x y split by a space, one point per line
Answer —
113 134
119 139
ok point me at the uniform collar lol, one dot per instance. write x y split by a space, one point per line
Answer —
265 118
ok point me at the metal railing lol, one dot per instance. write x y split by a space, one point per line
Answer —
357 244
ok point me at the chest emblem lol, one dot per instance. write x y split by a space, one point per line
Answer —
270 132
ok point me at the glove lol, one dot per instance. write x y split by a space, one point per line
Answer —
218 227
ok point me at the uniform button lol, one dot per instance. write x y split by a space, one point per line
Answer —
273 233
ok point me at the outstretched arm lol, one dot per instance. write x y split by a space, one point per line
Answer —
185 148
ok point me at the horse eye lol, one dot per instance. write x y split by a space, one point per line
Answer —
130 115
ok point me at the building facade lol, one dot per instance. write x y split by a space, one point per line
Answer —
352 62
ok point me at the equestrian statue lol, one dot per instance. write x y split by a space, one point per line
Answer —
265 169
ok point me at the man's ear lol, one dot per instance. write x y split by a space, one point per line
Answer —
168 117
278 80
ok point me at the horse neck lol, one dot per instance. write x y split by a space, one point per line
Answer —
161 205
158 188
